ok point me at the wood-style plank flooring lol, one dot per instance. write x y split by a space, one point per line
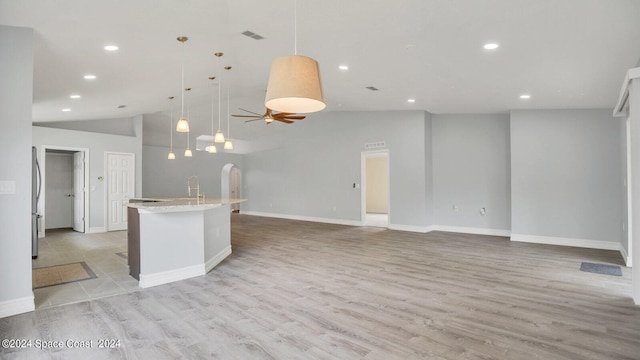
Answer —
300 290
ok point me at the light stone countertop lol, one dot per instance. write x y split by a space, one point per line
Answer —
168 204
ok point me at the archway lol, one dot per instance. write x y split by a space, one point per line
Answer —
231 181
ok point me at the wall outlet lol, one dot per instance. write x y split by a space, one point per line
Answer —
455 208
483 211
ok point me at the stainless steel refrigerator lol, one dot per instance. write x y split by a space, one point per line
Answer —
36 186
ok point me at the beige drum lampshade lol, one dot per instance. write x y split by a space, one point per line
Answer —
295 85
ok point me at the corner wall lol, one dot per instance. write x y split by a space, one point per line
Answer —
566 178
16 87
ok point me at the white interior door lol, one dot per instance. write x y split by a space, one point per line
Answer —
78 191
121 188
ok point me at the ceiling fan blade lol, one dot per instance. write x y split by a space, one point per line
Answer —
250 112
297 117
253 120
284 121
250 116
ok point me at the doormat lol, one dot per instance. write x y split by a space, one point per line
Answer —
601 269
123 254
61 274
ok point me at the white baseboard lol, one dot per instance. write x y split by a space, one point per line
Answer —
583 243
17 306
165 277
411 228
96 230
627 258
217 259
470 230
304 218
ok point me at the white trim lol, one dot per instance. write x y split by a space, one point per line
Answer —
363 182
96 230
42 156
625 256
411 228
470 230
165 277
304 218
17 306
217 259
621 104
583 243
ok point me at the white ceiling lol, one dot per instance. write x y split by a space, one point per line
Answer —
565 53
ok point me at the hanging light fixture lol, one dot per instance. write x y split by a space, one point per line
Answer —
219 136
228 145
183 124
187 151
294 82
172 155
211 149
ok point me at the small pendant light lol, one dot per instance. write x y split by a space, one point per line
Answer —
228 145
211 149
219 136
171 155
183 124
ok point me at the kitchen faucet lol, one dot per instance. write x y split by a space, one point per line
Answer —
196 187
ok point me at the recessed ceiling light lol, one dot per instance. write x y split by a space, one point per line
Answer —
66 109
491 46
525 96
343 67
74 96
111 48
411 100
90 77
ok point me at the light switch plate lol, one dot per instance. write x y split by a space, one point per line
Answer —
7 187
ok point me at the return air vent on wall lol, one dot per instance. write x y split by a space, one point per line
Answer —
372 88
252 35
375 145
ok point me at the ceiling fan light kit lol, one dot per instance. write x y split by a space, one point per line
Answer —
295 85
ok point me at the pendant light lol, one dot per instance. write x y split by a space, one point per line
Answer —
183 124
219 136
228 145
294 82
172 155
211 149
187 151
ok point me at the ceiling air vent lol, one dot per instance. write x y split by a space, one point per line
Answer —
372 88
252 35
122 106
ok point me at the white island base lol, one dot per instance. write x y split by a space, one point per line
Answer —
178 239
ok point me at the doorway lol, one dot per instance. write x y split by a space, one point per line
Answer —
120 188
64 198
375 188
231 181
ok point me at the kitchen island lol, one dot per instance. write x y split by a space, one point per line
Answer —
172 239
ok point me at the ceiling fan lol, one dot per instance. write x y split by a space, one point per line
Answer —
269 116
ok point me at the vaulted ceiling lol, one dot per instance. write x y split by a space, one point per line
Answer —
563 53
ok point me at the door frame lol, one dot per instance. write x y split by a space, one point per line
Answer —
225 181
106 185
363 180
42 158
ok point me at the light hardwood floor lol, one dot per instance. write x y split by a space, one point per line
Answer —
300 290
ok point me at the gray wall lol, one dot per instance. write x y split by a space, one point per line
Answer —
162 177
566 174
16 89
313 172
97 144
471 171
